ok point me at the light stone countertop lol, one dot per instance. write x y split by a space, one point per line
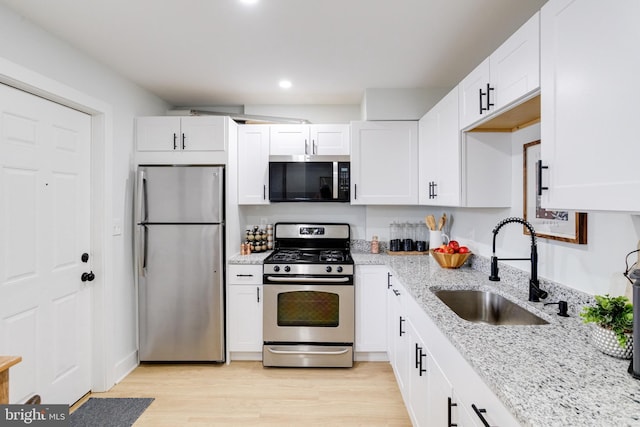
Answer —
547 375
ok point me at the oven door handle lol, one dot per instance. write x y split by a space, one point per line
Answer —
308 279
307 352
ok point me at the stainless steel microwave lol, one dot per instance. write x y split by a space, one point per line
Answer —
309 181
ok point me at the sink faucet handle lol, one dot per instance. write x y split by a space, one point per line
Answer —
494 269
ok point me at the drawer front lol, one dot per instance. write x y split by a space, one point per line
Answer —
245 274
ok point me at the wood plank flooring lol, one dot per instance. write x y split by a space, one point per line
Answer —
246 394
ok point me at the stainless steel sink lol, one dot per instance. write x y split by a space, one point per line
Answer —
487 307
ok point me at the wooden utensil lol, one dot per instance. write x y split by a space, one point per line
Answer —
443 221
431 222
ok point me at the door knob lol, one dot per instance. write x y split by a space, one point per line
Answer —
84 257
87 277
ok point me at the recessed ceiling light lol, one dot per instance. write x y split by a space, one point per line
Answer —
285 84
249 1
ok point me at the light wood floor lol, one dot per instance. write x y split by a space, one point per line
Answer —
246 394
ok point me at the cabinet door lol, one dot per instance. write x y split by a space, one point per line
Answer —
244 310
462 415
440 153
289 140
203 134
515 65
245 317
417 397
157 133
398 339
330 140
473 95
253 164
371 308
384 163
589 107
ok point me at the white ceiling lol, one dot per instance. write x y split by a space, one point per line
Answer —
222 52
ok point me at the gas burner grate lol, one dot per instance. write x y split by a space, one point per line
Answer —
332 256
286 255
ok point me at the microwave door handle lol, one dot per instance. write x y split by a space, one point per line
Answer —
335 180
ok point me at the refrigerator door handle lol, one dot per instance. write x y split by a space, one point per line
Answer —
143 242
141 202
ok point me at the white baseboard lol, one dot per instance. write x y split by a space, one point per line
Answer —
371 356
245 355
125 366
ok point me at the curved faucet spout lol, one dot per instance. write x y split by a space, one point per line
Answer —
509 221
535 293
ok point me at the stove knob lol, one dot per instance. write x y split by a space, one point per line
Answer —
276 268
339 269
287 268
328 269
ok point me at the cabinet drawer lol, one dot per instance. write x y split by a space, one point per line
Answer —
245 274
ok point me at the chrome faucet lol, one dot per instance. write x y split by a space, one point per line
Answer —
535 293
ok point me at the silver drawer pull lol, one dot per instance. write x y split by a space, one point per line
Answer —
336 353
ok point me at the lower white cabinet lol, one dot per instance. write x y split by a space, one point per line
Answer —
371 308
438 385
245 311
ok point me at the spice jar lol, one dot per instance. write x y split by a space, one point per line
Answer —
375 245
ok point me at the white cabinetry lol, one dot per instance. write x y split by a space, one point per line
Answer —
384 163
244 311
322 140
589 106
436 382
371 309
253 164
397 338
202 133
439 152
462 169
509 74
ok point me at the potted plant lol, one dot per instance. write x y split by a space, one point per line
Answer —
613 319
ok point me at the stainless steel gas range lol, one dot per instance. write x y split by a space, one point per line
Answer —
309 297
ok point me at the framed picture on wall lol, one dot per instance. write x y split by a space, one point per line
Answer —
565 226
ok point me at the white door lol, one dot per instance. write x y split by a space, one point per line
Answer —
45 313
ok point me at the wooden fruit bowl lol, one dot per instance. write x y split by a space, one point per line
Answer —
449 260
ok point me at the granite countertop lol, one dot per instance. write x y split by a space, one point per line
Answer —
546 375
254 258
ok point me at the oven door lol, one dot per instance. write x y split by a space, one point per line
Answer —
308 313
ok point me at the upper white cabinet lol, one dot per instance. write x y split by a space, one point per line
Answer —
321 140
509 74
170 133
591 86
439 152
461 169
384 163
253 164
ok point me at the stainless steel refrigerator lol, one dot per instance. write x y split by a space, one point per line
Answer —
179 262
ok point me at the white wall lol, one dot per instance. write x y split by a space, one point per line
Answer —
34 49
333 114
